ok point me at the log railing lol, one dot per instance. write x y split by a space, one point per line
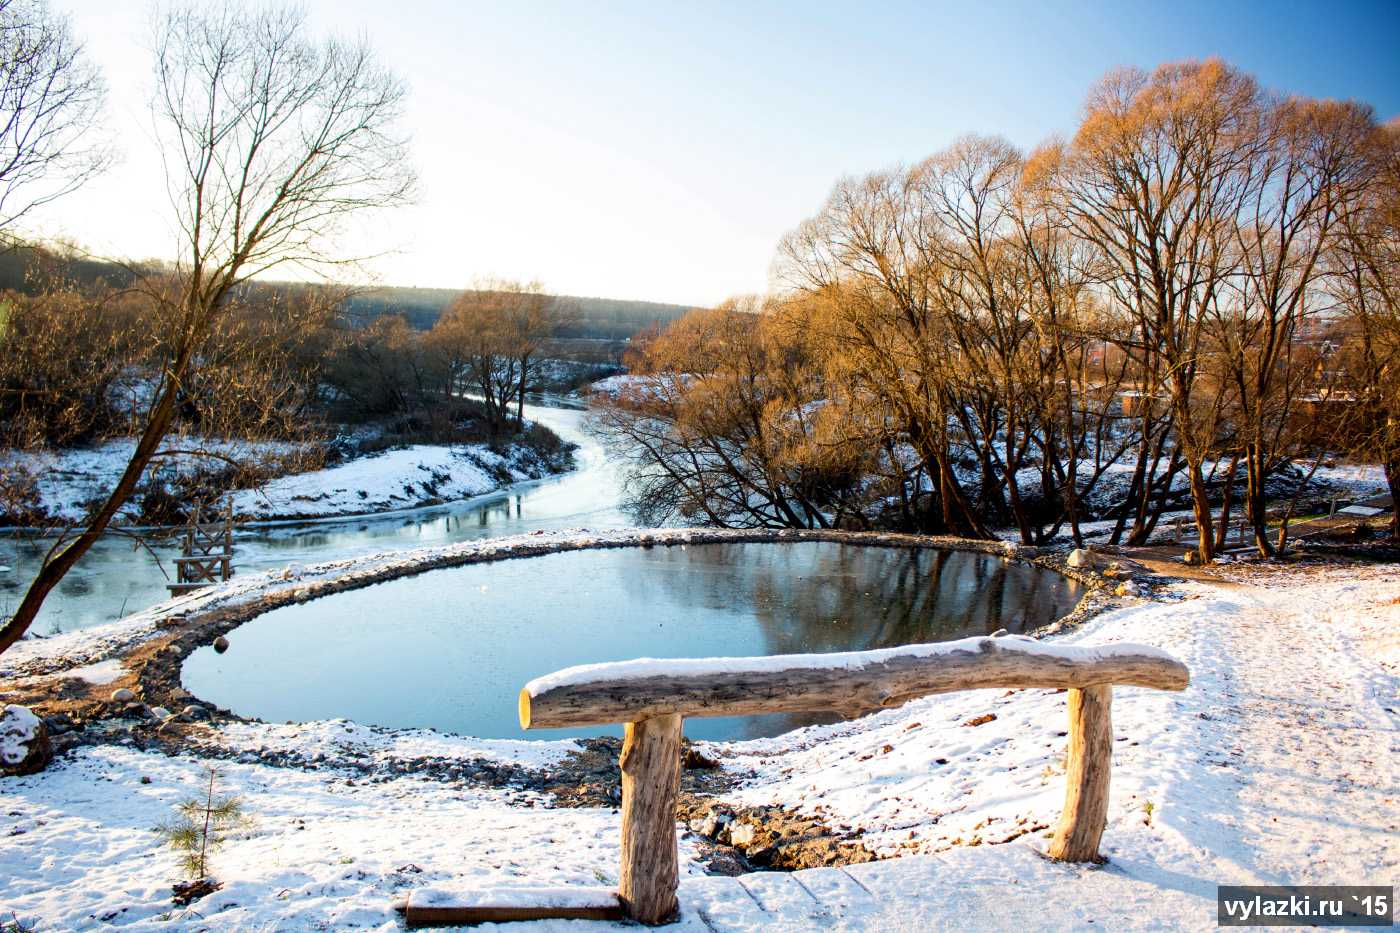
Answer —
652 699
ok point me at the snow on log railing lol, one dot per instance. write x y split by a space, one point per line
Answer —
653 697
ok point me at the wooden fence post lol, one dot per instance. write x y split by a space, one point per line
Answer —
1087 769
651 780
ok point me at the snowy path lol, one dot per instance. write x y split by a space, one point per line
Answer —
1281 764
1297 781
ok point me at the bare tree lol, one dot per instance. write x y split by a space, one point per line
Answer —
491 337
1156 179
51 99
1366 284
271 141
1311 169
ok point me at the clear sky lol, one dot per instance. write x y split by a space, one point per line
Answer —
658 150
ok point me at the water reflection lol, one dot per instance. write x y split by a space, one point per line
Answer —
450 648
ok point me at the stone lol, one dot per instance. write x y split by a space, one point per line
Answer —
59 724
741 835
24 742
693 759
195 712
123 695
160 712
221 644
1079 558
727 862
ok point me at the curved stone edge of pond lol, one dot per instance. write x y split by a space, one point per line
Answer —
153 645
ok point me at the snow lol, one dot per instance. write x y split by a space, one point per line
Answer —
18 727
103 672
837 660
393 479
376 744
1277 766
578 896
1360 479
67 481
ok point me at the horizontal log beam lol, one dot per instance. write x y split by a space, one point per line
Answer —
434 908
849 682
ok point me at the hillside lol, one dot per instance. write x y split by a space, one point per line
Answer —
597 319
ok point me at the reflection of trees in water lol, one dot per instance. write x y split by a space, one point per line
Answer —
435 526
822 597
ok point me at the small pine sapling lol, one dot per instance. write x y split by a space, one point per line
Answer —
196 832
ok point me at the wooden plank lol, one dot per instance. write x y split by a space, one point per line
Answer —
428 907
852 683
651 781
416 917
1087 772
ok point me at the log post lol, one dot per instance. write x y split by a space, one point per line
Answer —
651 780
1087 769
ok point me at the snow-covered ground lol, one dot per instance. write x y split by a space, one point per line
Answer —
1280 764
68 481
419 474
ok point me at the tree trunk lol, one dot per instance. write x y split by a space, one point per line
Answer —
1200 506
520 393
1257 502
1227 504
1392 481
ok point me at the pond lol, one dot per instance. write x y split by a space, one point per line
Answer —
450 649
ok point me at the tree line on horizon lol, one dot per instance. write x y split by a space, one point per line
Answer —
1199 288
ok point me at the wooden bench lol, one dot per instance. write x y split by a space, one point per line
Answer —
653 698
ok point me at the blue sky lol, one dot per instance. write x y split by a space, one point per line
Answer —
658 150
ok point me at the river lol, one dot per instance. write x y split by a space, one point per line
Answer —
117 577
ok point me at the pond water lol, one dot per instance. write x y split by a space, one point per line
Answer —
116 577
450 649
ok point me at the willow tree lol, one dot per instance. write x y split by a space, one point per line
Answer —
489 340
1155 179
1366 284
721 426
1311 171
272 140
871 255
